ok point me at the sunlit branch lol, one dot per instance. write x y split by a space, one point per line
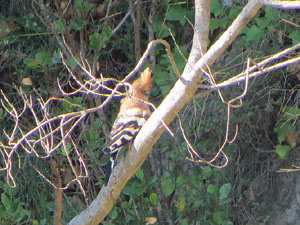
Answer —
282 4
258 69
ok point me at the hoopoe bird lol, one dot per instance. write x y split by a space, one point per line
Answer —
134 112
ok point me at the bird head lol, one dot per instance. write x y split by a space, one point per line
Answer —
144 82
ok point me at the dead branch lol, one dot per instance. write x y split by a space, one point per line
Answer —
258 69
52 133
129 12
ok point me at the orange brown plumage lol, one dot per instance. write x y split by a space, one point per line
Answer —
134 112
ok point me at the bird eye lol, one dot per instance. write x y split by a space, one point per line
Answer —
151 75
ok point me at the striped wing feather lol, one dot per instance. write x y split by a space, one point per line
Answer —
132 116
124 130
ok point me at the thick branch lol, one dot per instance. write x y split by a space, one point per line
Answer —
282 4
180 95
201 31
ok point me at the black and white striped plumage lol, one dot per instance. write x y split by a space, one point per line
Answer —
133 114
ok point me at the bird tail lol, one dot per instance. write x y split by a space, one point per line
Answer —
109 166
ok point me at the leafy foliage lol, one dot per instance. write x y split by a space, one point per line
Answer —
12 208
195 194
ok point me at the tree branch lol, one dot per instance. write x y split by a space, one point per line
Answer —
179 95
201 31
253 70
282 4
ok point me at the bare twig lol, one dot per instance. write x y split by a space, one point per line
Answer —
50 133
194 155
130 10
253 69
294 169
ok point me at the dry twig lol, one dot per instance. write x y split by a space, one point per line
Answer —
51 133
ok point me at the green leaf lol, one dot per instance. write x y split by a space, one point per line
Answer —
98 41
75 100
225 201
180 180
282 150
216 7
273 13
177 13
6 201
43 221
20 213
44 57
59 26
66 151
167 183
216 23
165 89
95 40
161 78
91 135
212 189
56 57
179 58
106 33
35 222
99 182
88 6
213 24
295 36
78 23
132 190
255 33
182 204
263 22
33 64
79 4
72 63
224 191
113 213
207 172
3 212
281 130
184 222
83 5
139 174
234 12
153 199
198 202
217 218
161 29
291 112
151 181
97 123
